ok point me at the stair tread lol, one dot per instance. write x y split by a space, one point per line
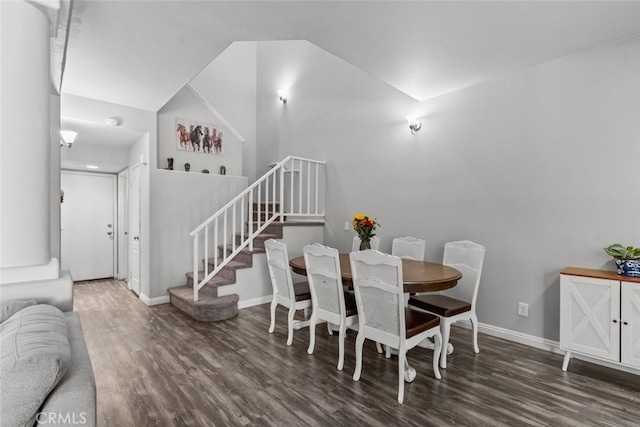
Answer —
215 280
232 264
186 293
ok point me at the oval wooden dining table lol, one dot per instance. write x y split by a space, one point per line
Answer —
417 276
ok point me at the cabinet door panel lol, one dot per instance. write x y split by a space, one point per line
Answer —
630 304
590 310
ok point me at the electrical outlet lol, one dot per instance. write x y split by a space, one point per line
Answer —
346 226
523 309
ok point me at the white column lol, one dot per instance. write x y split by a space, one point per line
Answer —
25 144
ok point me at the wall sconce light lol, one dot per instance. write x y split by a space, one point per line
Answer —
282 94
414 123
68 137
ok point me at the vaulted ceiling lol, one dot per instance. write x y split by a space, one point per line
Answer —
141 53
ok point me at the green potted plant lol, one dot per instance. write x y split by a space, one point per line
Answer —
627 259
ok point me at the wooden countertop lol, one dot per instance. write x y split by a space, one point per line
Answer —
598 274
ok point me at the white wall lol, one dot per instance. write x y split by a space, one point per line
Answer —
229 84
180 201
186 105
538 166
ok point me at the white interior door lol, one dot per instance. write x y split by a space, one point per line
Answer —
134 229
88 226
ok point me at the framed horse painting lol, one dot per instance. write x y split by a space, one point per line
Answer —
198 137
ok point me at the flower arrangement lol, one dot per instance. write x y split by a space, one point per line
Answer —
365 227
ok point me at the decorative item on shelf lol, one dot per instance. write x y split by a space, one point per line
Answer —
223 170
205 170
169 164
365 227
627 259
187 167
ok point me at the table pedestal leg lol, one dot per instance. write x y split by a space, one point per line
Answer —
409 372
300 324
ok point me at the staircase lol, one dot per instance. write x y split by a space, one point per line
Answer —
210 307
291 189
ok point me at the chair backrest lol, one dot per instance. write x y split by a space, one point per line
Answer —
378 285
467 257
408 248
375 243
325 280
278 262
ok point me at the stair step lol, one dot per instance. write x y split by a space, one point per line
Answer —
207 308
273 228
258 242
231 265
213 282
245 255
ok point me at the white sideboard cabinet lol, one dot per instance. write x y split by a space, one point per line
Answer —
600 316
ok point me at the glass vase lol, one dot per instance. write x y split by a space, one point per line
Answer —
365 244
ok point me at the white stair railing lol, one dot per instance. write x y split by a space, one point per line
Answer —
293 188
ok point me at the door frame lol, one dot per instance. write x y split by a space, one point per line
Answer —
130 237
123 225
115 226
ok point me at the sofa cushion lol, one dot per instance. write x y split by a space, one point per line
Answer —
9 308
34 356
75 395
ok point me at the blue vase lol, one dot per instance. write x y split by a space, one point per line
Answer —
628 267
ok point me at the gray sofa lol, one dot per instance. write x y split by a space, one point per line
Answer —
46 377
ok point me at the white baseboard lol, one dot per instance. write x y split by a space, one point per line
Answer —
154 301
519 337
543 344
254 301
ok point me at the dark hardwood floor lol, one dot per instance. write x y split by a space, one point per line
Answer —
155 366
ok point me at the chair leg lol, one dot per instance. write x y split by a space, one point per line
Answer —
401 366
359 344
272 327
329 328
306 313
292 312
474 327
341 336
378 347
437 349
312 333
445 329
387 352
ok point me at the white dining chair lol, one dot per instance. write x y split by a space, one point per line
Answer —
329 301
294 296
378 285
459 302
408 248
355 245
